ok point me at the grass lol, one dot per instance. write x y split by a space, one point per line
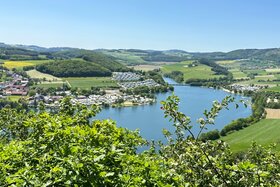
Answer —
38 75
265 132
198 72
14 98
126 57
274 89
49 85
225 62
256 71
88 82
237 74
276 70
21 64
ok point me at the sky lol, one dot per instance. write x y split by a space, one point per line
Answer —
191 25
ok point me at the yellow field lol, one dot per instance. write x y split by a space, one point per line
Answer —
272 113
21 64
16 64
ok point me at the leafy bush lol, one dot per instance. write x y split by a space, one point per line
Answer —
66 149
211 135
178 76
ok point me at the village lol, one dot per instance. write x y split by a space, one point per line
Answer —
14 84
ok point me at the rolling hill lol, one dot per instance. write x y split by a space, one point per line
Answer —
131 56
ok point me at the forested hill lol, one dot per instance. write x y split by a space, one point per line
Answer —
261 54
66 61
129 56
272 54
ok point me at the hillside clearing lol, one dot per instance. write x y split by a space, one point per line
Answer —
265 132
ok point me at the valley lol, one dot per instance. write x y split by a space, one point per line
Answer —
88 75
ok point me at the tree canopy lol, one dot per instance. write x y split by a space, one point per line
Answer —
73 68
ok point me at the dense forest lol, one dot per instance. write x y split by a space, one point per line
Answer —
11 53
73 68
66 149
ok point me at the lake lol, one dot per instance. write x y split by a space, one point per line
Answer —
193 101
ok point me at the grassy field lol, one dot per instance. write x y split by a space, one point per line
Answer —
237 74
15 98
88 82
126 57
276 70
274 89
198 72
226 62
21 64
264 132
38 75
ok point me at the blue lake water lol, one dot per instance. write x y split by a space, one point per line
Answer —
149 119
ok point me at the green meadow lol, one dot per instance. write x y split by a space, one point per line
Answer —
88 82
200 71
265 132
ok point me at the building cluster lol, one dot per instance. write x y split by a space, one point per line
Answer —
106 99
125 76
272 100
111 99
130 85
17 85
241 88
48 100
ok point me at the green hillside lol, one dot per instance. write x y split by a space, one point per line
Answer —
104 61
265 132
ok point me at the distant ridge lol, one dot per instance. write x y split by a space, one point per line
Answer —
142 56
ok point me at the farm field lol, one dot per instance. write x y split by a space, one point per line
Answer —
38 75
88 82
272 113
49 85
237 74
145 67
197 72
225 62
21 64
264 133
276 70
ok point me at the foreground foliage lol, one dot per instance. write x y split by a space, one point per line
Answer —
44 149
